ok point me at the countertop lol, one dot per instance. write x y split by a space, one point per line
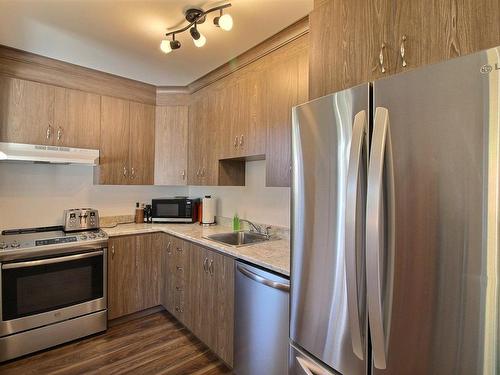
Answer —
273 255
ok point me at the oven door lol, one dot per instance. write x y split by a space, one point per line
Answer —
44 291
172 210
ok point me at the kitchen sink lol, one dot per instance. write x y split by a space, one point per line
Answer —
240 238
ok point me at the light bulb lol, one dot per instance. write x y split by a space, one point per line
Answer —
226 22
200 42
165 46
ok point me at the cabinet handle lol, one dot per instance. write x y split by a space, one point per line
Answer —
205 265
125 171
203 172
178 288
112 252
241 140
381 58
59 133
211 267
179 268
402 50
236 142
169 248
198 172
183 174
48 133
132 173
179 249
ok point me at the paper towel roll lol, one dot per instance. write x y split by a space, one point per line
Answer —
208 215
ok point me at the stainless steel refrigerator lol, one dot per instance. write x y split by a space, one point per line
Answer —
395 205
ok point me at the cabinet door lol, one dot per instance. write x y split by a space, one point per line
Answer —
440 30
221 303
114 150
142 143
26 112
171 138
196 146
77 119
168 280
286 87
196 284
122 277
339 46
253 126
148 271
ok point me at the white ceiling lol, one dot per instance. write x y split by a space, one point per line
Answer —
123 37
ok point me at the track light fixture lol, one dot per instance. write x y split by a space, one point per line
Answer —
194 17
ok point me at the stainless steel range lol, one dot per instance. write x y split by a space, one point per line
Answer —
52 284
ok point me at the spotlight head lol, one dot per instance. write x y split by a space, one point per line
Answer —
175 44
194 32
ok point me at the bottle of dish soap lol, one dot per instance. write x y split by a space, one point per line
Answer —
236 222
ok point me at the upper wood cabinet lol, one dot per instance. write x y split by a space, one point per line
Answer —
142 144
286 86
77 119
203 141
115 138
239 108
126 143
353 42
26 112
171 144
37 113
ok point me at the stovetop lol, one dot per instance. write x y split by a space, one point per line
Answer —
32 238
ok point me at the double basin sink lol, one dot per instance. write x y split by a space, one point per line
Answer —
237 239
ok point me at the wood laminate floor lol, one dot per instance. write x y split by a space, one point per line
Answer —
155 344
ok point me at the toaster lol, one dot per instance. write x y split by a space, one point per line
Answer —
76 219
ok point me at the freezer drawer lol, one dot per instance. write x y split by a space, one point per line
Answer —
302 364
261 322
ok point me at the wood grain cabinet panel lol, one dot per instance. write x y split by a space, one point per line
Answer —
347 37
287 87
171 143
134 279
339 46
203 141
77 119
122 277
148 268
210 290
142 144
115 138
26 112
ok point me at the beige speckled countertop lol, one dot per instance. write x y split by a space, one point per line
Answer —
273 255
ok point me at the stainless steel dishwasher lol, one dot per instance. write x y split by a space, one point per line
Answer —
261 322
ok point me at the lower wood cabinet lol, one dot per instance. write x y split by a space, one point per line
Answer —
133 274
198 289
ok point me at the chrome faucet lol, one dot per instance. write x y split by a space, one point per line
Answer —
258 228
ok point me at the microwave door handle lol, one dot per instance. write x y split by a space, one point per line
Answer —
380 158
41 262
359 133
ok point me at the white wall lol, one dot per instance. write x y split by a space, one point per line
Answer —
254 201
34 195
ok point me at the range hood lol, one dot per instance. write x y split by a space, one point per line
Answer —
47 154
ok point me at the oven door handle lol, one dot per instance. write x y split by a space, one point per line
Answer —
41 262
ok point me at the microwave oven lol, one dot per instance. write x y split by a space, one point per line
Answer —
174 210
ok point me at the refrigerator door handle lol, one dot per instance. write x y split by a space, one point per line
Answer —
380 234
359 134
